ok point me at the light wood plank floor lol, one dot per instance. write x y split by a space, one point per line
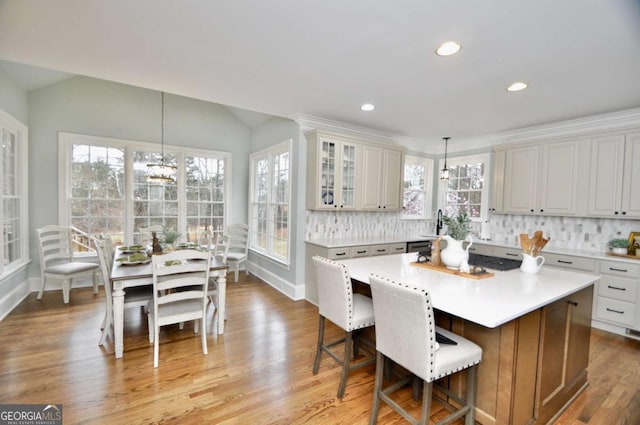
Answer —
258 372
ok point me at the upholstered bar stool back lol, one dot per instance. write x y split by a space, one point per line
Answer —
351 312
406 335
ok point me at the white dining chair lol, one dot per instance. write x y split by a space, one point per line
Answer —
406 335
134 297
238 248
351 312
56 260
180 280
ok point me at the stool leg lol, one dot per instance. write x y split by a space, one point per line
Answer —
345 364
316 363
472 376
377 387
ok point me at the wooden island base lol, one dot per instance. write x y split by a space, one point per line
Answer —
532 367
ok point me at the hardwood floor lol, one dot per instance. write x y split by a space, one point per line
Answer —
258 372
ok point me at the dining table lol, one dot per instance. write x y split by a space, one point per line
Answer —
128 275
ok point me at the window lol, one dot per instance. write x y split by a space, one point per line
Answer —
106 188
466 191
417 187
14 247
270 196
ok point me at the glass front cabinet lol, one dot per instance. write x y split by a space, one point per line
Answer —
332 172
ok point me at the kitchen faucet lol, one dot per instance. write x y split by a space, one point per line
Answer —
439 222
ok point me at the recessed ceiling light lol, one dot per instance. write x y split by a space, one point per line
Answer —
449 48
367 107
517 86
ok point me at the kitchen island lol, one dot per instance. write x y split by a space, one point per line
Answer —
534 331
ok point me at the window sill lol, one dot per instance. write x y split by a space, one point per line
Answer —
271 259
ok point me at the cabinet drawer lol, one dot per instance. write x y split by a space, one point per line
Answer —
620 269
380 249
512 253
482 249
619 288
397 248
339 253
616 311
360 251
568 262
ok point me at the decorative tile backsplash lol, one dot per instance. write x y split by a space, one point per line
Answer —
587 234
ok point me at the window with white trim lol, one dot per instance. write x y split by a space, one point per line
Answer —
417 187
105 188
270 198
14 247
465 191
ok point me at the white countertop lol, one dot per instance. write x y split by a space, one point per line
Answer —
489 302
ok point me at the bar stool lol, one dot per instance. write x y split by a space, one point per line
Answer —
406 335
351 312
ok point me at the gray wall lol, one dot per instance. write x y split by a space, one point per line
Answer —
97 107
271 132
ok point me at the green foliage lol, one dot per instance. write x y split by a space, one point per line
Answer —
458 227
618 243
170 235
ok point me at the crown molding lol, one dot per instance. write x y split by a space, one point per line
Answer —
310 122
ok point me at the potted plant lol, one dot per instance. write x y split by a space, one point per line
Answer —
170 236
458 229
618 246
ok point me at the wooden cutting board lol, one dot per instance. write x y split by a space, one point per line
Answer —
635 257
443 269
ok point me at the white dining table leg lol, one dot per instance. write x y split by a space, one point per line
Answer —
118 318
222 299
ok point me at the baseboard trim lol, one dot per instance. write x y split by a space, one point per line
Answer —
292 291
12 299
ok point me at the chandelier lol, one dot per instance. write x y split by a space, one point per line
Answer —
161 172
444 173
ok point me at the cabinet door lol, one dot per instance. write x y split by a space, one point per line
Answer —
328 173
497 182
631 179
559 178
605 181
348 191
371 178
392 175
520 179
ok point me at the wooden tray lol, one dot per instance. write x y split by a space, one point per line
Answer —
635 257
443 269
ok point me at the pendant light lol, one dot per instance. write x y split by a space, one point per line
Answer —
444 173
161 173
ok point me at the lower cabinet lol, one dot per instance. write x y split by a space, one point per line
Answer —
532 366
564 352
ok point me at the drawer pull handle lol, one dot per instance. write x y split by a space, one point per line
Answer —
573 303
512 254
618 270
399 249
361 252
340 254
615 311
565 262
616 288
381 250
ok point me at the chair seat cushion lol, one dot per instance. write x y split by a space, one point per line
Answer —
362 311
236 256
452 358
71 268
192 306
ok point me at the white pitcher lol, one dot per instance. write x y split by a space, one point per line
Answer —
454 254
531 264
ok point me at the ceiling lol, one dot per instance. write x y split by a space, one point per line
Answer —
324 58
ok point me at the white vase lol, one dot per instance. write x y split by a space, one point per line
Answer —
622 251
531 264
454 253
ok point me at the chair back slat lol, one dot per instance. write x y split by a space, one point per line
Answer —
172 272
239 238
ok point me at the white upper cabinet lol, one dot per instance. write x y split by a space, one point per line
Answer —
497 182
345 173
543 178
332 169
614 184
381 181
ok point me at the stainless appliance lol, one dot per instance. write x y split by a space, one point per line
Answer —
419 246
